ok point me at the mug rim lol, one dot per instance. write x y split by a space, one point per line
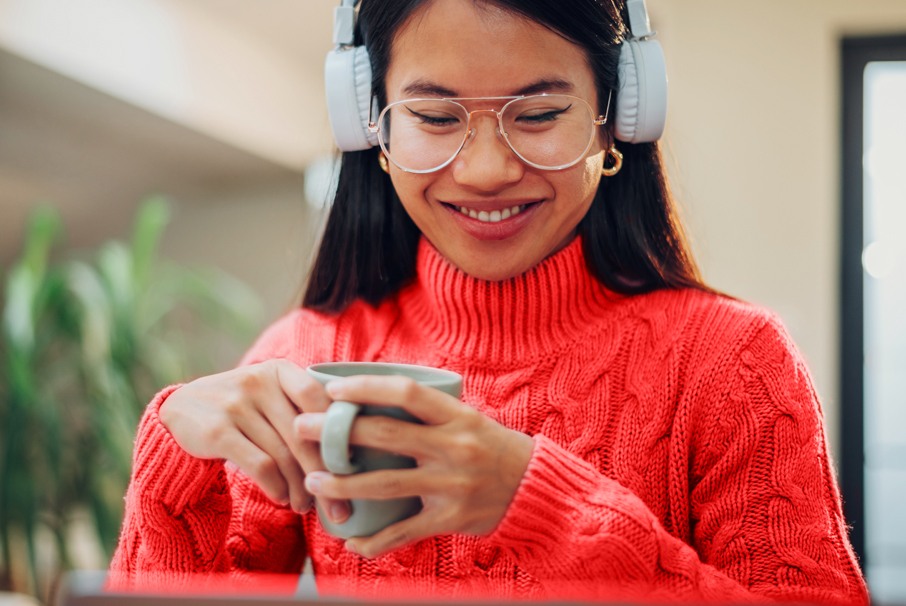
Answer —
443 376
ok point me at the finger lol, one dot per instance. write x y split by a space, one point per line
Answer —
279 415
373 485
259 431
257 465
393 537
428 404
294 391
308 432
383 433
308 426
307 394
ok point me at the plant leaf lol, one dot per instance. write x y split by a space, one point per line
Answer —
153 217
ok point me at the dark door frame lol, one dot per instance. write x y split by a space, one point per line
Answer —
857 52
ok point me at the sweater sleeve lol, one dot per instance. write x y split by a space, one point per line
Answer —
186 515
765 512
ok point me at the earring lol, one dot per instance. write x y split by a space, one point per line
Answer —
616 158
382 161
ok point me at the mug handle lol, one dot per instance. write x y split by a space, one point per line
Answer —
335 449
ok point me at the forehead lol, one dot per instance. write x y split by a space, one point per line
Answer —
474 49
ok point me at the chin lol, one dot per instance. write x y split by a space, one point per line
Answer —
494 261
487 271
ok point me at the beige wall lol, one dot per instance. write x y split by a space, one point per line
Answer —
262 234
753 150
204 64
753 142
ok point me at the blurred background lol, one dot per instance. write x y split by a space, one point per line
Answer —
785 145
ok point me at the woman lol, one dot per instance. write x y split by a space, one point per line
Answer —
624 431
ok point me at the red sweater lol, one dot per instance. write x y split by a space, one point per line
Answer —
679 451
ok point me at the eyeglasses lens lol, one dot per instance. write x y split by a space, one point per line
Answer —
546 131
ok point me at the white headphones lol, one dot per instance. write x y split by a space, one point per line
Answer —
641 106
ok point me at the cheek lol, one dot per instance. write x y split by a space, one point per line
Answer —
406 186
592 173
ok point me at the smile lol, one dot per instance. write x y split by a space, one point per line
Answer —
494 216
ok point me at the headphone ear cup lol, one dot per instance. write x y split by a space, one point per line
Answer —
641 110
347 79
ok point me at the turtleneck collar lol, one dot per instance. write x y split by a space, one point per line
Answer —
536 313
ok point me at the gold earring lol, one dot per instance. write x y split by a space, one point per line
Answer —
617 158
385 165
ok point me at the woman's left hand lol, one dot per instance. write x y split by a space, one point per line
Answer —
469 466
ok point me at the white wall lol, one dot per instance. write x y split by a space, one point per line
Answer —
753 139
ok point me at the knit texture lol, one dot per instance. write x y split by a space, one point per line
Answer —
679 451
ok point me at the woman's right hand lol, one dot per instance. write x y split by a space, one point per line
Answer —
245 416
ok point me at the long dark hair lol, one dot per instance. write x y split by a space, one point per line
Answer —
632 236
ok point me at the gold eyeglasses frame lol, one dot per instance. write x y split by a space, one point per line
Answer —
374 127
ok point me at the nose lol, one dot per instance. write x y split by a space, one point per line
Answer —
486 163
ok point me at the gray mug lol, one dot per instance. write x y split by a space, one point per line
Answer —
370 516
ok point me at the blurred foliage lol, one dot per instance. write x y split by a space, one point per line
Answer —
84 343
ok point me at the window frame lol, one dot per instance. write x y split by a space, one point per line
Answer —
857 52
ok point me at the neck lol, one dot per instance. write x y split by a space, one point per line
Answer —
538 312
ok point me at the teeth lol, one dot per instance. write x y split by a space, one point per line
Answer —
495 216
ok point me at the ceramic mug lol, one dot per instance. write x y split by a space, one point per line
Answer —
370 516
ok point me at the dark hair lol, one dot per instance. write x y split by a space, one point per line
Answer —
632 236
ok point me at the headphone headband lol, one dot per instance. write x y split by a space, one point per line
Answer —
344 23
641 104
638 19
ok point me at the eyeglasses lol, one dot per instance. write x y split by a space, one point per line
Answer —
549 132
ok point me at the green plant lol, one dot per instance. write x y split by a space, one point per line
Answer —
84 343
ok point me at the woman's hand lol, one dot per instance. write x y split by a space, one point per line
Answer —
246 416
469 466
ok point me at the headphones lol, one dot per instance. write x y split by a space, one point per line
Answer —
641 104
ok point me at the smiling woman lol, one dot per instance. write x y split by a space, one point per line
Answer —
623 432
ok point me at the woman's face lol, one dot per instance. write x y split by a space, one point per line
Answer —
456 48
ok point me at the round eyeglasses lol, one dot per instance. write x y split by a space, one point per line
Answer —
548 131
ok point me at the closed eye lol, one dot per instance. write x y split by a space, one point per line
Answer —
441 120
548 116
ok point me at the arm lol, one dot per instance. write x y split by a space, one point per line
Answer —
187 509
766 520
185 515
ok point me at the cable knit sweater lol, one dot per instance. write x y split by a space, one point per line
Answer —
679 451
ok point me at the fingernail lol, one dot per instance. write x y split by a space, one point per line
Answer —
313 482
351 547
339 512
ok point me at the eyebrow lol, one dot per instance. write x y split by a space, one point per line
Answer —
547 85
426 88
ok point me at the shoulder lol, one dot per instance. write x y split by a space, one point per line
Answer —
714 337
696 315
744 329
739 361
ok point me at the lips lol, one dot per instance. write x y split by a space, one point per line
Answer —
493 216
497 221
